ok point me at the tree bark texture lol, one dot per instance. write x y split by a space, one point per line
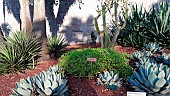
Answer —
39 21
26 24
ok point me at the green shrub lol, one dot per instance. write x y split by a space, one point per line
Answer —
19 52
55 46
75 62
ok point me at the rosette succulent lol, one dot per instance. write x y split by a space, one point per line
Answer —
50 83
152 78
110 80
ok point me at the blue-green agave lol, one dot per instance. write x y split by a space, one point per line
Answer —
152 78
110 80
47 83
164 58
153 47
50 84
24 88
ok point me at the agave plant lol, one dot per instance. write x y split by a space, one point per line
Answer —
24 88
153 47
55 69
134 34
152 78
110 80
19 51
47 83
164 58
56 45
158 27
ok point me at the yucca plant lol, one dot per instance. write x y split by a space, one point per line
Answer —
56 45
19 52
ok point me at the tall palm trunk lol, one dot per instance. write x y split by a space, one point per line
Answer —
26 24
39 26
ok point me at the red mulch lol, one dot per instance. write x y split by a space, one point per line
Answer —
77 86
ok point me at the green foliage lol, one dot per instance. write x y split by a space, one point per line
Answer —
110 80
152 78
18 52
134 34
143 27
50 83
56 45
159 30
75 62
106 6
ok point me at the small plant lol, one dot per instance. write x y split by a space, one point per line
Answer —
50 83
19 52
152 78
164 58
56 45
93 38
75 62
110 80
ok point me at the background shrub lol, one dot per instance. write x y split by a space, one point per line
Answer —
143 27
56 45
75 62
18 52
135 32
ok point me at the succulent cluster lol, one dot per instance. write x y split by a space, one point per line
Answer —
47 83
152 78
153 74
110 80
152 53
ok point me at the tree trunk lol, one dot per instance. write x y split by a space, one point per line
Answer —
39 26
26 24
118 28
1 36
39 23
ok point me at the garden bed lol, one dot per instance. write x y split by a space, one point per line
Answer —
77 86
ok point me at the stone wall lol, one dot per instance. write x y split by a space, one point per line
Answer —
67 18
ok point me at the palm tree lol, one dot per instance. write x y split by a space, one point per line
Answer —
26 24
